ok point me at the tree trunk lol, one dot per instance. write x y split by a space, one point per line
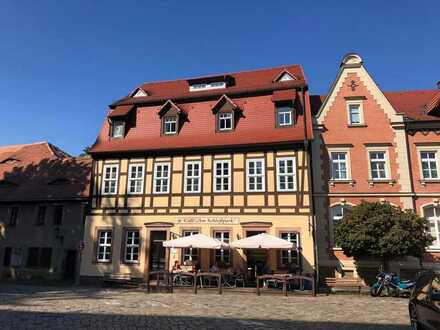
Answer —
385 265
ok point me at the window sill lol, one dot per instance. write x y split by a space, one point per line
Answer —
424 182
391 182
356 125
349 182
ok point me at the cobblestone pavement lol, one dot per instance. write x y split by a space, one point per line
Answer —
38 307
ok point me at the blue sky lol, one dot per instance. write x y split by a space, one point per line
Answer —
63 62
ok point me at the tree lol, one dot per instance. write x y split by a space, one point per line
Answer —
382 231
86 152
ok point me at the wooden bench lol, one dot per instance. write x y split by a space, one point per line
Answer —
119 279
344 283
285 279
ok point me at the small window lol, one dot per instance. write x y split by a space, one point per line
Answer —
206 86
58 215
286 174
190 254
284 115
354 113
161 178
429 164
255 175
225 121
222 256
170 125
110 179
104 252
338 165
193 176
41 215
136 179
13 216
131 246
378 165
117 129
432 214
290 257
222 176
337 213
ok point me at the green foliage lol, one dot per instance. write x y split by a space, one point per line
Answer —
382 231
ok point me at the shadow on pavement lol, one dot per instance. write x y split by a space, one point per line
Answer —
46 320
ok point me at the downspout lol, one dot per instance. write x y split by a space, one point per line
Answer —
310 186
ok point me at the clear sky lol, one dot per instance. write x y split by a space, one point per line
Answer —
63 62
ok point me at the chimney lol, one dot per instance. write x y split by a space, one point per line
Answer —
438 84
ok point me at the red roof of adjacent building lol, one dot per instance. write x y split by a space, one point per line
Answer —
40 171
253 92
419 105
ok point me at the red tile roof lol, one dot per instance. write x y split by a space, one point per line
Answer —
41 171
419 105
242 82
252 93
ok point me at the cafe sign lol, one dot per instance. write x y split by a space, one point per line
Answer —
209 220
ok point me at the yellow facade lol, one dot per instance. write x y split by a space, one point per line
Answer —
238 211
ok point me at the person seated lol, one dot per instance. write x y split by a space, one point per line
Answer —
176 267
214 268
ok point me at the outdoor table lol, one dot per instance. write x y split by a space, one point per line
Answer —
284 280
200 275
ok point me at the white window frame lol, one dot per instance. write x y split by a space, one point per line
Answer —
361 112
284 109
229 117
386 160
279 175
295 250
206 86
222 176
347 163
189 251
106 245
256 176
169 120
436 153
157 179
112 129
333 219
436 220
193 177
223 252
138 181
110 179
129 248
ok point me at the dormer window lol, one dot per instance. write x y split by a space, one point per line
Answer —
284 115
225 121
172 118
227 114
139 92
170 125
207 86
117 129
284 76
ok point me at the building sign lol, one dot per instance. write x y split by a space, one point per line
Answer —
209 220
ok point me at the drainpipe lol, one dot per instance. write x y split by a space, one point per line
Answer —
310 186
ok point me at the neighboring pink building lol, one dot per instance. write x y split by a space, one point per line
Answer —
375 146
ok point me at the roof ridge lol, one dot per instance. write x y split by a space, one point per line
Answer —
221 74
21 145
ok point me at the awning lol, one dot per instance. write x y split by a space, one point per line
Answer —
121 111
262 241
197 241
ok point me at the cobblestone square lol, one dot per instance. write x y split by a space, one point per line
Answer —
41 307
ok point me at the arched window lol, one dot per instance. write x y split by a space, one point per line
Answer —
432 214
336 214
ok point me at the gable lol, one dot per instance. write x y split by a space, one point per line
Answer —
284 76
139 92
352 65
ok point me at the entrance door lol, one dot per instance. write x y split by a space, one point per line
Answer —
70 264
157 250
256 258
